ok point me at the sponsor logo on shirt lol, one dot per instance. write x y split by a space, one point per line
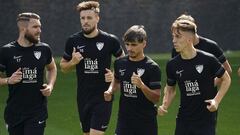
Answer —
199 68
37 54
29 75
99 45
129 89
91 66
192 88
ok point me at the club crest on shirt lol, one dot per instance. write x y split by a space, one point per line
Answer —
140 71
37 54
99 45
199 68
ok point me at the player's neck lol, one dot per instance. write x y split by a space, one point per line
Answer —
138 58
24 42
188 53
92 34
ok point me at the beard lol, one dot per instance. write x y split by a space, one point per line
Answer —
89 31
31 38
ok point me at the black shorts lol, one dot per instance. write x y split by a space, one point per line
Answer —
30 126
130 127
195 127
95 116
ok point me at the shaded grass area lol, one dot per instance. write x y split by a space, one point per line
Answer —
63 116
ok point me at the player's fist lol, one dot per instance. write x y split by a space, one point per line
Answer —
76 57
212 105
161 110
136 80
107 95
46 90
16 77
108 75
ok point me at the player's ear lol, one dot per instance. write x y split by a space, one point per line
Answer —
144 43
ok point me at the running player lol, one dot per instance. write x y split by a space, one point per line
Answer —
90 52
206 45
139 78
194 71
24 61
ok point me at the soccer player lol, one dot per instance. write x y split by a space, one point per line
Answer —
194 71
24 61
90 52
139 79
206 45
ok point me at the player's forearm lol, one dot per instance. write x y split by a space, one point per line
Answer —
151 95
227 67
169 95
66 66
3 81
114 86
51 73
224 86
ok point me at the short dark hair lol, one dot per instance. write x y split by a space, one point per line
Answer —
89 5
136 33
27 16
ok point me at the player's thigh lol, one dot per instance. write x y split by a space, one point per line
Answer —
16 130
85 116
181 128
101 116
146 128
34 126
124 131
207 128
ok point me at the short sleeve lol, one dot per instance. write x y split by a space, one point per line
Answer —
171 79
68 49
116 73
216 67
218 53
49 55
116 47
2 60
155 78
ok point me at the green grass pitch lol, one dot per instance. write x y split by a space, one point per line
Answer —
63 117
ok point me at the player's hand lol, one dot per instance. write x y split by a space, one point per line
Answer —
212 105
46 90
107 95
136 80
162 110
109 75
16 77
76 57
